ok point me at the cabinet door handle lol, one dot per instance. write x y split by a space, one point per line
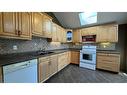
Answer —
19 33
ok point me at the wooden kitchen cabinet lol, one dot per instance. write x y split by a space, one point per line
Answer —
107 33
59 34
62 60
77 36
44 71
75 57
37 24
10 27
54 64
47 26
63 35
54 32
89 31
47 67
16 25
69 57
110 62
1 79
25 24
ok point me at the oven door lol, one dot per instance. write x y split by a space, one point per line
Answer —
88 57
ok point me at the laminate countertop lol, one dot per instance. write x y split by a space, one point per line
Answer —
8 59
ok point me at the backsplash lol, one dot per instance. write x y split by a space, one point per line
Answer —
6 45
100 46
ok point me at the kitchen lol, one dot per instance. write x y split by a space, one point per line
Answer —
36 48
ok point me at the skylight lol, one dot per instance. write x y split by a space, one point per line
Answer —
87 18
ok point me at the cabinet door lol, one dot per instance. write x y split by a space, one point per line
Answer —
54 32
1 23
69 57
75 57
1 75
9 24
102 35
59 34
113 33
77 36
63 35
47 26
37 24
25 24
53 64
43 70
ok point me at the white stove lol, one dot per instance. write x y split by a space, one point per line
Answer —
88 57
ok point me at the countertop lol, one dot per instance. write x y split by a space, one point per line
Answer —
108 51
21 57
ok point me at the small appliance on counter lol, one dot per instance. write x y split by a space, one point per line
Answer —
88 57
89 39
69 35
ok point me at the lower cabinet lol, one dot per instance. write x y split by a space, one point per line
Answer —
53 64
50 65
75 57
62 60
110 62
1 75
47 67
44 72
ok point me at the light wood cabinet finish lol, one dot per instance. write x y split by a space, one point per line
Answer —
47 26
25 24
89 31
16 25
75 55
44 72
10 26
54 32
1 80
59 34
107 33
47 67
37 24
62 60
77 36
63 35
53 64
109 62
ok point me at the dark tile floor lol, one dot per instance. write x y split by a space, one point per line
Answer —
74 74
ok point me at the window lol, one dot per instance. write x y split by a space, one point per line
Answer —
88 18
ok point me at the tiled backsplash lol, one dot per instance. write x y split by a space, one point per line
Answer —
6 45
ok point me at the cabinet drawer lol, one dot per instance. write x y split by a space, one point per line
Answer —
42 59
108 59
110 67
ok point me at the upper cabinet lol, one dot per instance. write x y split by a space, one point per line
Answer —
89 31
104 33
47 26
77 36
107 33
16 25
54 32
10 28
37 24
25 24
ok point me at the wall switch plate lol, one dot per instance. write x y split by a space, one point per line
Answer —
15 47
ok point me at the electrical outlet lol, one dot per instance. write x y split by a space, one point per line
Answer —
15 47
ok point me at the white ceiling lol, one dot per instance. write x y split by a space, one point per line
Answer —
71 19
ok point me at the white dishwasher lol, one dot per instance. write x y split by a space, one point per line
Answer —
24 72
